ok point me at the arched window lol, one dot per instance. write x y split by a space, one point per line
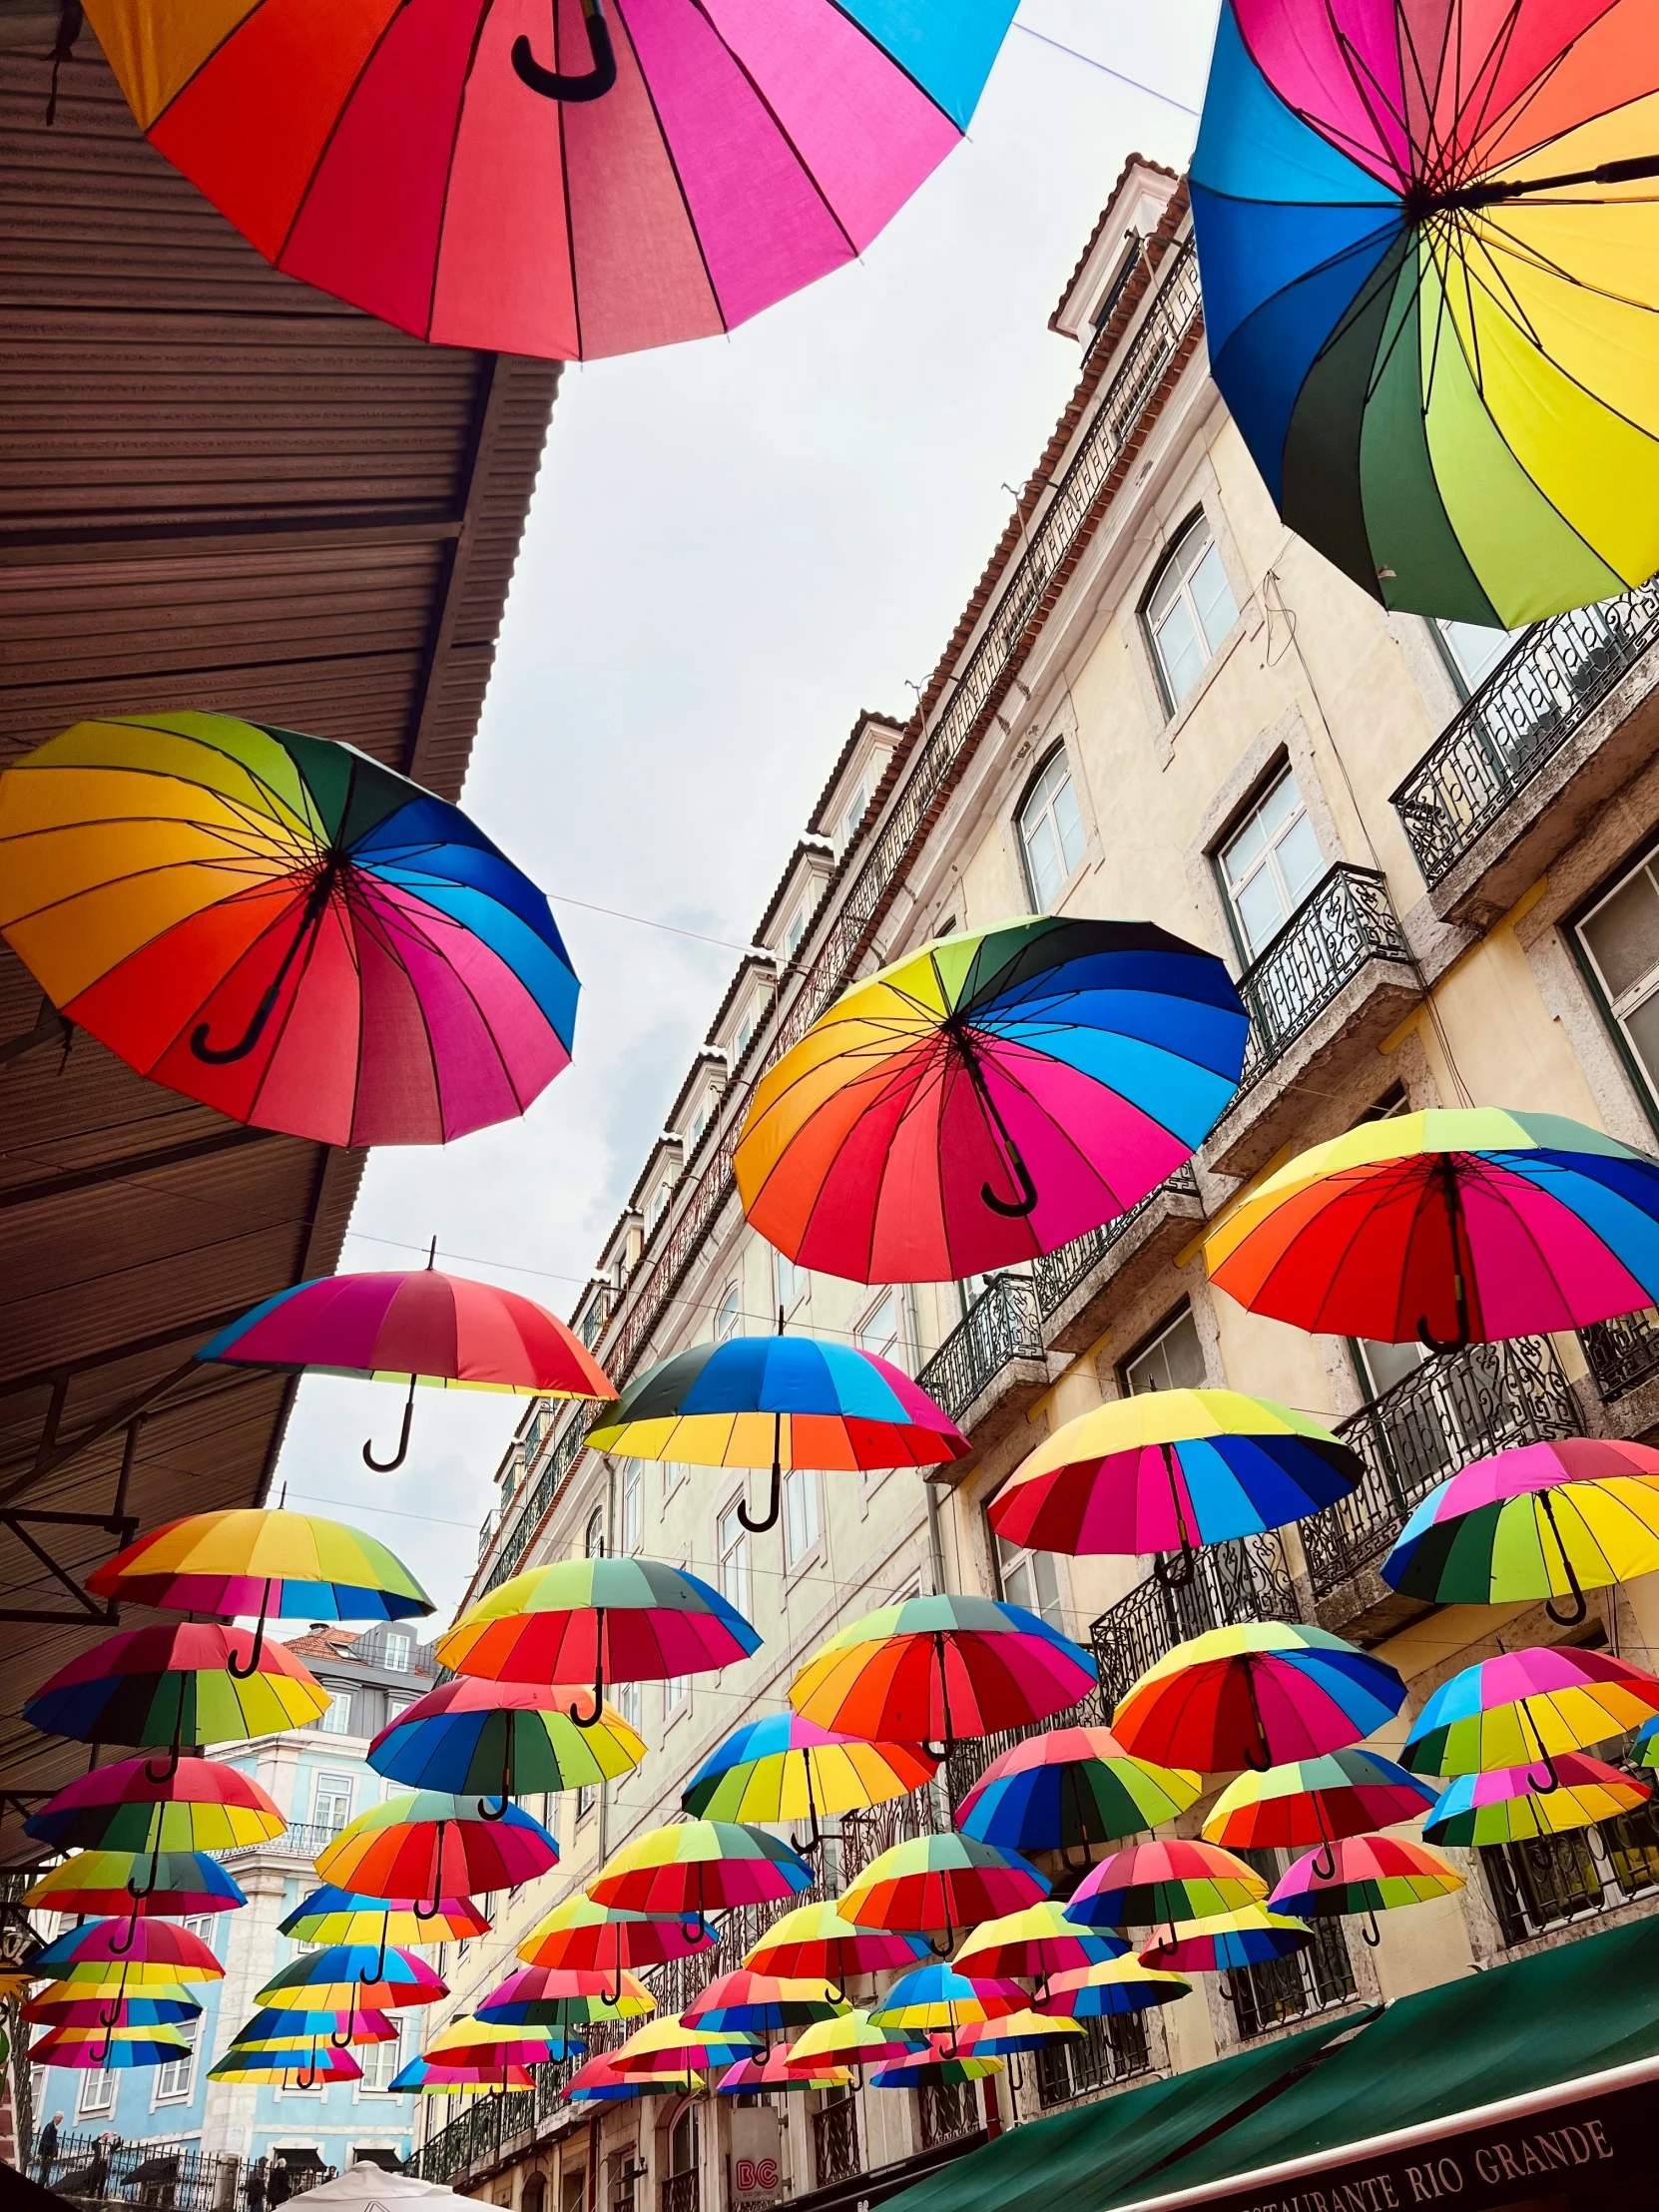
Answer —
729 1318
1050 831
595 1544
1189 610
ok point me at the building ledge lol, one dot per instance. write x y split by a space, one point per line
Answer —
1079 1286
991 1369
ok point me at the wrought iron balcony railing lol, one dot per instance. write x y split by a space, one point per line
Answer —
836 2155
1058 1274
485 2125
1550 1881
950 2112
1456 1407
1539 694
1346 919
1283 1990
304 1840
1002 1325
1622 1351
1244 1580
1110 2050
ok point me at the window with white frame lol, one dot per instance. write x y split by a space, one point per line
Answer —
856 808
700 1122
878 1331
396 1705
1189 611
1029 1578
379 2063
172 2083
337 1721
732 1551
331 1802
587 1797
1268 865
790 1283
97 2095
397 1650
795 931
676 1695
658 1207
1473 651
729 1313
1173 1360
746 1030
632 1502
204 1927
593 1543
1620 937
1051 833
625 1696
803 1524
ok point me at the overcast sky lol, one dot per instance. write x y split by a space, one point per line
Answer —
734 547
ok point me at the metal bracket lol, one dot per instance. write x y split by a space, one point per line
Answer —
118 1522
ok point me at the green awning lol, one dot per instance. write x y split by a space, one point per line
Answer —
1069 2162
1556 2017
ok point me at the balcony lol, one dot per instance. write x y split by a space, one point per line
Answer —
992 1366
302 1841
1533 755
835 2152
1456 1407
1076 1284
1553 1881
1244 1580
1328 990
1109 2051
1622 1353
679 2193
1284 1989
950 2113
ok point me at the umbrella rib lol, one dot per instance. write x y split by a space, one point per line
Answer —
674 168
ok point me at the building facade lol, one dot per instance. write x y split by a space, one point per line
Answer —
319 1778
1428 854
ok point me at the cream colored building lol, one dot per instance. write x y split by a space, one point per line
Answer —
1424 853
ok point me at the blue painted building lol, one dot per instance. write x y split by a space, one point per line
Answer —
320 1779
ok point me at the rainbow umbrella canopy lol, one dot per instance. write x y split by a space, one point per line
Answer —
506 1739
428 1844
1545 1520
1169 1470
989 1098
1318 1800
694 1867
1033 1945
1450 1227
1424 233
948 1882
1245 1937
1167 1880
791 1401
110 2050
198 1805
420 1326
331 1915
1108 1989
1066 1788
784 1768
580 1935
929 1670
563 1997
1527 1707
1255 1696
819 1941
1364 1874
764 2003
188 1883
282 929
583 179
1505 1805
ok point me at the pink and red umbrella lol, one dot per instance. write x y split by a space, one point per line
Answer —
423 1327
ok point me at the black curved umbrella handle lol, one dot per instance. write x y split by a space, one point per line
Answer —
245 1674
807 1846
421 1912
386 1466
593 1719
1551 1781
775 1500
1325 1865
218 1056
592 86
1580 1604
365 1979
337 2041
1370 1935
1013 1209
119 1950
1454 1213
487 1811
305 2078
172 1767
1177 1573
1263 1764
1225 1989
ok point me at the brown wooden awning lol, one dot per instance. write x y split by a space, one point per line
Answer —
218 488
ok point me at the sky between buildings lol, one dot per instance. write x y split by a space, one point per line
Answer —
734 547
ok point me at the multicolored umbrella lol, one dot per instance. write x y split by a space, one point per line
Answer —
580 1936
277 2029
929 1670
505 1739
200 1805
317 2068
598 2082
1505 1805
157 1948
989 1098
563 1997
818 1939
190 1684
674 2046
345 1976
480 2043
1412 223
694 1867
1447 1228
1369 1874
1317 1801
418 1325
431 1844
67 2005
331 1915
1169 1470
1644 1749
110 2050
1255 1696
763 2004
607 1621
1005 2037
930 2070
851 2039
945 1883
1164 1881
1541 1520
1111 1990
784 1768
262 1560
424 2078
1245 1937
1033 1945
282 929
682 169
938 1997
1068 1788
94 1882
1525 1706
793 1402
770 2077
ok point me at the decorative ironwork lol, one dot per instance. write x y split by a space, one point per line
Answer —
1622 1351
485 2125
973 1754
1110 2050
1346 919
1058 1274
836 2155
949 2110
1549 1881
1001 1325
304 1840
1542 690
678 2192
865 1835
556 1464
1280 1989
1456 1407
1244 1581
181 2176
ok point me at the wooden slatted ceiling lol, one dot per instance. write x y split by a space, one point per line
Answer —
218 488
